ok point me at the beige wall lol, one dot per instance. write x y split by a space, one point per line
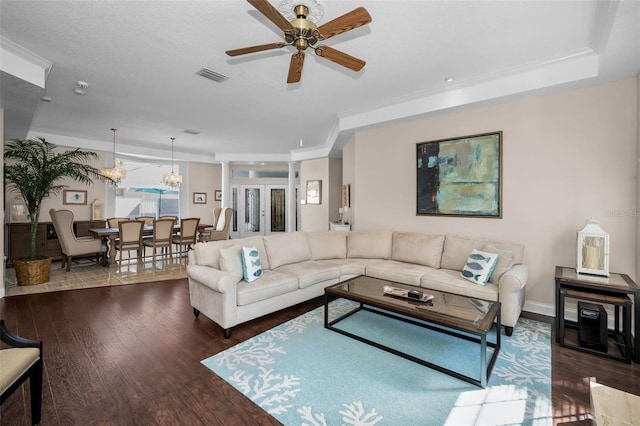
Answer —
2 247
348 178
566 157
334 197
638 157
205 178
314 217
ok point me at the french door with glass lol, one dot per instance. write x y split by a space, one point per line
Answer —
258 210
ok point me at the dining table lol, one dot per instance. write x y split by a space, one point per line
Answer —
111 234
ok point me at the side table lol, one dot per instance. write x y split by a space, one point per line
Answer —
339 226
618 290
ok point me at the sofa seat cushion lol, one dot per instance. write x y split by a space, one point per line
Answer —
392 270
350 267
310 272
270 284
451 282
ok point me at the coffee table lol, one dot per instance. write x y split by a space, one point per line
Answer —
460 316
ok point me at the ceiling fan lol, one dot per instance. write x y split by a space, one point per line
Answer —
302 33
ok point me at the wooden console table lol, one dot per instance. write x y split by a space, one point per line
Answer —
19 238
618 290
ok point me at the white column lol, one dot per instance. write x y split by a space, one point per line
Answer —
226 189
292 200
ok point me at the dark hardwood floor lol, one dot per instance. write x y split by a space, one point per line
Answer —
131 355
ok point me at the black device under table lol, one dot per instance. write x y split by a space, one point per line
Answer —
591 292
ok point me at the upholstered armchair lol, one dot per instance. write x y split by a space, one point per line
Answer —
71 245
22 360
221 225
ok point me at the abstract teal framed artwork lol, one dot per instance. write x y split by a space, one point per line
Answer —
461 176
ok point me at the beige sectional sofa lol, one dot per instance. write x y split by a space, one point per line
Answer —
298 266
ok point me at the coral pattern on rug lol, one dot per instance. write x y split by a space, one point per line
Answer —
301 373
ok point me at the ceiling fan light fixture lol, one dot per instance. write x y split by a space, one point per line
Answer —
301 32
291 9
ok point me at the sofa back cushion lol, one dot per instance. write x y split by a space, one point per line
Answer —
257 242
369 244
327 245
208 254
457 250
283 249
231 260
420 249
505 261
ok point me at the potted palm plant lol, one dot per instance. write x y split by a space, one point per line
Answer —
36 173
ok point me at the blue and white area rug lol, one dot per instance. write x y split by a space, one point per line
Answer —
304 374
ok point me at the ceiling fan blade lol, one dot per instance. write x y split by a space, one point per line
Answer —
253 49
347 22
272 13
295 67
340 58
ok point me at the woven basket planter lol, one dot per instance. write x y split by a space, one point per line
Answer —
33 271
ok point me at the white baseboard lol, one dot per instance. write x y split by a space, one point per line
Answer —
539 308
570 314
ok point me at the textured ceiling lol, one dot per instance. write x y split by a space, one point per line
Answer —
140 60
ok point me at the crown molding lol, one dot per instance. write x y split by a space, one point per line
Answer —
23 63
552 73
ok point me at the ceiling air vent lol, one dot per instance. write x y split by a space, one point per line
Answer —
212 75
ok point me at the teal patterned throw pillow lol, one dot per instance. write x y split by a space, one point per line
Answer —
479 266
251 267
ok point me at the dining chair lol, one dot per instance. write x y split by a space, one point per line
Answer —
187 235
221 225
130 233
21 360
71 245
148 220
169 217
162 234
113 222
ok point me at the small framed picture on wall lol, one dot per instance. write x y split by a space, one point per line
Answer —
78 197
199 198
314 192
218 195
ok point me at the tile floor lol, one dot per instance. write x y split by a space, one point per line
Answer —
86 274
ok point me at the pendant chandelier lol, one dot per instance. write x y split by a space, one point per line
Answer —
114 173
172 180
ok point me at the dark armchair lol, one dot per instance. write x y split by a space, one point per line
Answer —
22 360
